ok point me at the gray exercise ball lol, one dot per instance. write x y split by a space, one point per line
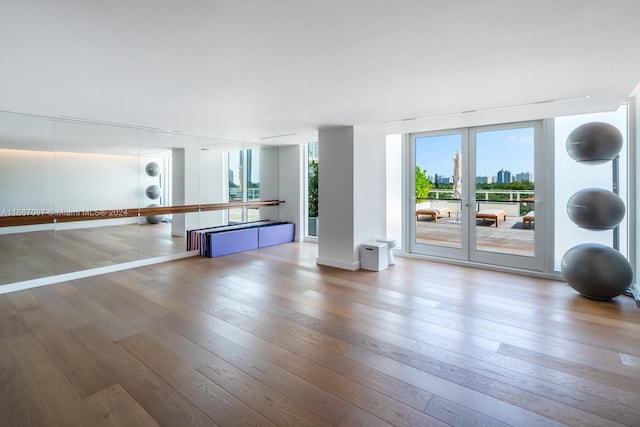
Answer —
152 169
596 271
594 143
153 219
595 209
152 192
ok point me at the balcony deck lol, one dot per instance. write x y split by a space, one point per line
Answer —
509 237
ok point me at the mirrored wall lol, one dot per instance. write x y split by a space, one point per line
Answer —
71 192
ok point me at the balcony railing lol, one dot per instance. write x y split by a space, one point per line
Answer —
515 202
236 193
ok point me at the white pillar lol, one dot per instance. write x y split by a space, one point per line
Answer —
351 193
184 186
290 185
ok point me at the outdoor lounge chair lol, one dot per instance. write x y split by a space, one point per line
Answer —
529 218
434 213
491 214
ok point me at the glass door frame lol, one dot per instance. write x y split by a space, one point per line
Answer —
468 252
534 263
435 250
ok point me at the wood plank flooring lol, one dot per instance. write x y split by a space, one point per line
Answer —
269 338
508 238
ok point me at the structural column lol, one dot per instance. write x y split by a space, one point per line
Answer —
184 188
351 193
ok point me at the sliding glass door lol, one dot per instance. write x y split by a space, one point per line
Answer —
475 194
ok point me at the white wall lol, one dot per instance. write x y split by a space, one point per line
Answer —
269 180
290 184
394 188
27 180
67 182
95 181
72 181
184 186
211 185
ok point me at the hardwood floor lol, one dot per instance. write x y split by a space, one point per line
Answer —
267 337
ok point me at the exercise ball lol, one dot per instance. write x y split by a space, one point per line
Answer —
153 219
594 143
596 271
152 169
595 209
152 192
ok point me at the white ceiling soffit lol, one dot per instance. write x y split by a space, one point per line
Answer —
278 70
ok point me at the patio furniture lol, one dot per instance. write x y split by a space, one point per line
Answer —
529 218
433 212
491 214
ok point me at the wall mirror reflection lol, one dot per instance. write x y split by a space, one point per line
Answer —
26 172
76 195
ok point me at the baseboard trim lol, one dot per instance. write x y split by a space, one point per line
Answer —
352 266
49 280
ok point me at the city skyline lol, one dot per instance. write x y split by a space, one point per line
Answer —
514 177
510 149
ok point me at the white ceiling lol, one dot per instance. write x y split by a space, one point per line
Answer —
251 69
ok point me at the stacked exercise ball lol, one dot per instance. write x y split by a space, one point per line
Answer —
153 191
154 219
594 270
595 209
152 169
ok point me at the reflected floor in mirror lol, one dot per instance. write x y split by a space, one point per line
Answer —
26 256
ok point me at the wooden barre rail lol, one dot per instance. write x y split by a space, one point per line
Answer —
34 216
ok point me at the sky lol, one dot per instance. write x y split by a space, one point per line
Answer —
234 165
509 149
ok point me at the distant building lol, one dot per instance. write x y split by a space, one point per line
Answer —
439 179
484 180
524 176
314 155
504 177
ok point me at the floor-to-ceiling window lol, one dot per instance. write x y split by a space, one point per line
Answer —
312 190
236 184
571 177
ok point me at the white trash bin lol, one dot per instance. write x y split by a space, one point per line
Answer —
374 256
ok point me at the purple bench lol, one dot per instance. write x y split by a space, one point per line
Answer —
271 235
221 241
230 242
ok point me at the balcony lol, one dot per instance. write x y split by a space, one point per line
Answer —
509 237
